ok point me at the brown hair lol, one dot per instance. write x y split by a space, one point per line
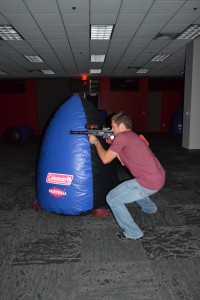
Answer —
122 117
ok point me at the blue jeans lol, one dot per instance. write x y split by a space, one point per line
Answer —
128 192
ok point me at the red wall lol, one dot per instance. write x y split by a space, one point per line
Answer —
19 108
136 104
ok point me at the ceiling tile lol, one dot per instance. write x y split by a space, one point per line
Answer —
8 7
183 19
55 36
74 6
128 29
30 36
130 18
54 19
103 19
3 20
164 7
76 19
174 28
21 19
42 7
136 7
105 7
73 29
53 29
157 19
190 7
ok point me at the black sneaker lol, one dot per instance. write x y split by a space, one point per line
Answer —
123 238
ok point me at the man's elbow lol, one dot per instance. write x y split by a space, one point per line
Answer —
105 161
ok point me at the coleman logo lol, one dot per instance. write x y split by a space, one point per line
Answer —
58 193
55 178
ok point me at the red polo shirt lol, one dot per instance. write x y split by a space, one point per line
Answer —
139 159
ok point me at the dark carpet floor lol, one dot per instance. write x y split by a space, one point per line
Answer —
45 256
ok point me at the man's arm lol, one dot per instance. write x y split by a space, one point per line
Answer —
106 156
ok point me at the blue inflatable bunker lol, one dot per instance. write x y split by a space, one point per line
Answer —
71 179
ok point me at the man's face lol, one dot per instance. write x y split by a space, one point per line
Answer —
115 128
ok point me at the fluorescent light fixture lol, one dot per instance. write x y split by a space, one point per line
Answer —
97 58
3 73
190 33
142 71
34 58
101 32
95 71
7 32
160 57
48 72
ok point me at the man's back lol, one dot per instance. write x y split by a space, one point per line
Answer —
139 159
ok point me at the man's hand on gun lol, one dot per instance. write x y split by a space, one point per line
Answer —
92 139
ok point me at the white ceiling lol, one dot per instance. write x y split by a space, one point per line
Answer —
59 32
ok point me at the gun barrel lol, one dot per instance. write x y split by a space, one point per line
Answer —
78 132
94 132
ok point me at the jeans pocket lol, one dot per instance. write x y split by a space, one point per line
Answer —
146 192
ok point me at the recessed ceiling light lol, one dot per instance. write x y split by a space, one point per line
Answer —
190 33
142 71
3 73
97 58
33 58
7 32
95 71
101 32
160 57
48 72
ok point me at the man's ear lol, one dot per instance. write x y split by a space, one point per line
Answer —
122 127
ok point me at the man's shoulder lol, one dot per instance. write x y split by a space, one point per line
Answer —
123 137
129 134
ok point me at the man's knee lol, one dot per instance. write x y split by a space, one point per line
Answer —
110 199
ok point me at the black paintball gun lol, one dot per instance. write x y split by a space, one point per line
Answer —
104 132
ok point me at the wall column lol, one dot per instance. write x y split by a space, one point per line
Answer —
191 114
